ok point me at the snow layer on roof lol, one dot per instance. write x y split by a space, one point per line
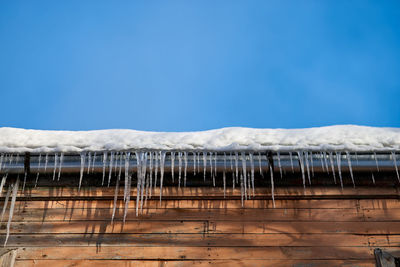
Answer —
340 137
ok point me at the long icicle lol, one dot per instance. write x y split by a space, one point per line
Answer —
82 168
54 170
279 163
244 165
224 175
179 168
104 167
162 164
252 172
14 197
37 174
185 159
172 166
60 166
332 166
204 164
272 185
338 161
301 162
110 168
10 187
127 158
350 168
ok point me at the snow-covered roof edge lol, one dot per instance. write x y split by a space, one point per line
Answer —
339 137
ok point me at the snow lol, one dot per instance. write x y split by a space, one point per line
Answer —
340 137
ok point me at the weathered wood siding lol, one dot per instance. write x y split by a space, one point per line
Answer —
318 226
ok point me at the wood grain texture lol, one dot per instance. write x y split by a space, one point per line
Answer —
318 226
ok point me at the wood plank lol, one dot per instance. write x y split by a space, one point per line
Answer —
196 253
204 192
206 214
233 227
198 263
219 204
199 240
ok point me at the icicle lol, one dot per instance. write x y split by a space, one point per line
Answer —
308 166
194 163
237 165
116 195
332 166
211 168
104 167
291 161
37 174
312 163
252 171
204 164
139 179
279 163
89 161
94 161
162 163
301 160
272 184
126 183
144 168
3 181
350 168
376 161
243 157
338 159
128 195
110 169
23 186
224 175
179 168
83 156
54 170
326 163
185 158
60 166
46 161
372 177
155 169
395 164
150 178
259 164
14 197
10 187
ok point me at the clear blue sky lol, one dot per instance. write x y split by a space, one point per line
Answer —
196 65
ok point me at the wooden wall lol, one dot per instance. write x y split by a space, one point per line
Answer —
321 226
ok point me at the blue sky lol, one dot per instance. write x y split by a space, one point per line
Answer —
197 65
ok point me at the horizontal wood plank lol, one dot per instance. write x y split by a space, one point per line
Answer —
196 253
202 240
206 226
198 263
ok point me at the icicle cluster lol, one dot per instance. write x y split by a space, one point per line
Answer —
149 168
